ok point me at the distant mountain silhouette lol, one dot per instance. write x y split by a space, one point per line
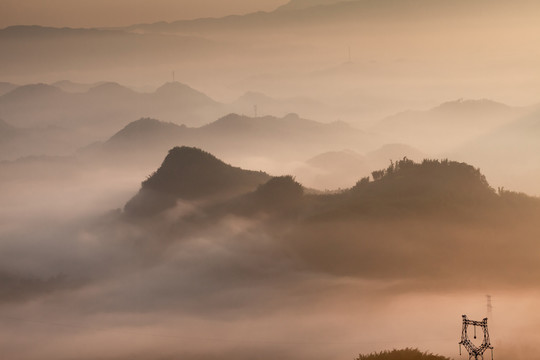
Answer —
466 107
27 31
73 87
288 137
337 159
105 107
352 69
6 87
33 92
112 89
142 142
442 127
312 13
71 49
333 169
304 4
143 130
521 133
279 106
382 156
233 135
183 94
342 169
510 154
289 124
191 174
17 142
458 111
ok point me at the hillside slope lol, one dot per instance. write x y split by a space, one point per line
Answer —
191 174
412 224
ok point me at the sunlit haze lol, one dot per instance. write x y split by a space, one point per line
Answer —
303 179
112 13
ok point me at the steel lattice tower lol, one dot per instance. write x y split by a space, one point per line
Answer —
475 352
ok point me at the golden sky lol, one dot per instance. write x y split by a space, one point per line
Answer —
96 13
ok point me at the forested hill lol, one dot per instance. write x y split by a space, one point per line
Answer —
404 354
431 187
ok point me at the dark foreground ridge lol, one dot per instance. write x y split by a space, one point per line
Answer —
404 188
404 354
191 174
423 224
423 186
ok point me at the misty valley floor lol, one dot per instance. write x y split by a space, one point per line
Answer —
241 263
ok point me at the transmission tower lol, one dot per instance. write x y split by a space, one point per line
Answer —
489 307
475 352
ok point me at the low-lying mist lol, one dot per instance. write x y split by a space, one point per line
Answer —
82 280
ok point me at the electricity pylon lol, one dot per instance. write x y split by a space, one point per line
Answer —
475 352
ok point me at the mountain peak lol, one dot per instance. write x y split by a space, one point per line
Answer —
255 96
190 173
176 91
337 158
293 5
435 182
110 88
176 88
236 122
141 128
32 90
230 121
291 116
470 105
74 87
174 85
189 167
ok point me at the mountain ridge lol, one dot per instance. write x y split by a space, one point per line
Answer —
297 13
58 107
405 188
234 136
190 174
459 120
305 4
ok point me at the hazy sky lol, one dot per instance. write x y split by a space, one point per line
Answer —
91 13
